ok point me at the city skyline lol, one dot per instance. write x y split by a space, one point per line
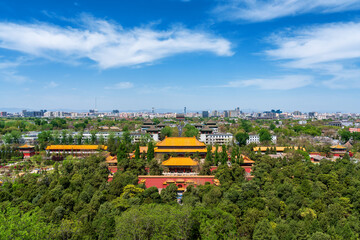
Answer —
202 54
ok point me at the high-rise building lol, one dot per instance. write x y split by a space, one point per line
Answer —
40 113
184 110
276 111
205 114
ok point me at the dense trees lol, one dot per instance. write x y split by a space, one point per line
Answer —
264 135
307 129
7 152
246 125
190 131
166 132
241 138
345 135
288 198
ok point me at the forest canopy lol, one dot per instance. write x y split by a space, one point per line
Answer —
288 198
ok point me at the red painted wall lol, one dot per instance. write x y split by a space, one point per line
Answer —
213 168
112 169
158 181
248 169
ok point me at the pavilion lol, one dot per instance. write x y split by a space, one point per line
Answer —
27 150
182 171
180 146
338 150
180 165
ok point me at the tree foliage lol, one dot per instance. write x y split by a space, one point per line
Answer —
241 138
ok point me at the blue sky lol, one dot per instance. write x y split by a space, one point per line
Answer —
202 54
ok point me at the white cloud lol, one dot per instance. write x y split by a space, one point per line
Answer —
280 83
12 76
318 44
120 85
8 71
330 50
107 44
263 10
52 84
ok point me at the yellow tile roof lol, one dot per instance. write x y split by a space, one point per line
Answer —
111 159
180 142
278 149
26 146
76 147
247 159
179 150
338 146
179 161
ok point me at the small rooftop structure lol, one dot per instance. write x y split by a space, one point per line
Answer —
152 129
180 142
210 122
338 147
25 146
27 150
180 161
206 129
148 122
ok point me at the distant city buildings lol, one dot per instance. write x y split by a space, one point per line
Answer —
341 123
234 114
40 113
255 138
217 138
215 113
205 114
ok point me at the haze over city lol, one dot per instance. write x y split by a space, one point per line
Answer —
261 55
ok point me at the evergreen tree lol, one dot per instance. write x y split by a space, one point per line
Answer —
264 231
241 138
233 155
150 152
224 155
267 151
137 151
216 156
122 157
169 194
155 168
208 158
